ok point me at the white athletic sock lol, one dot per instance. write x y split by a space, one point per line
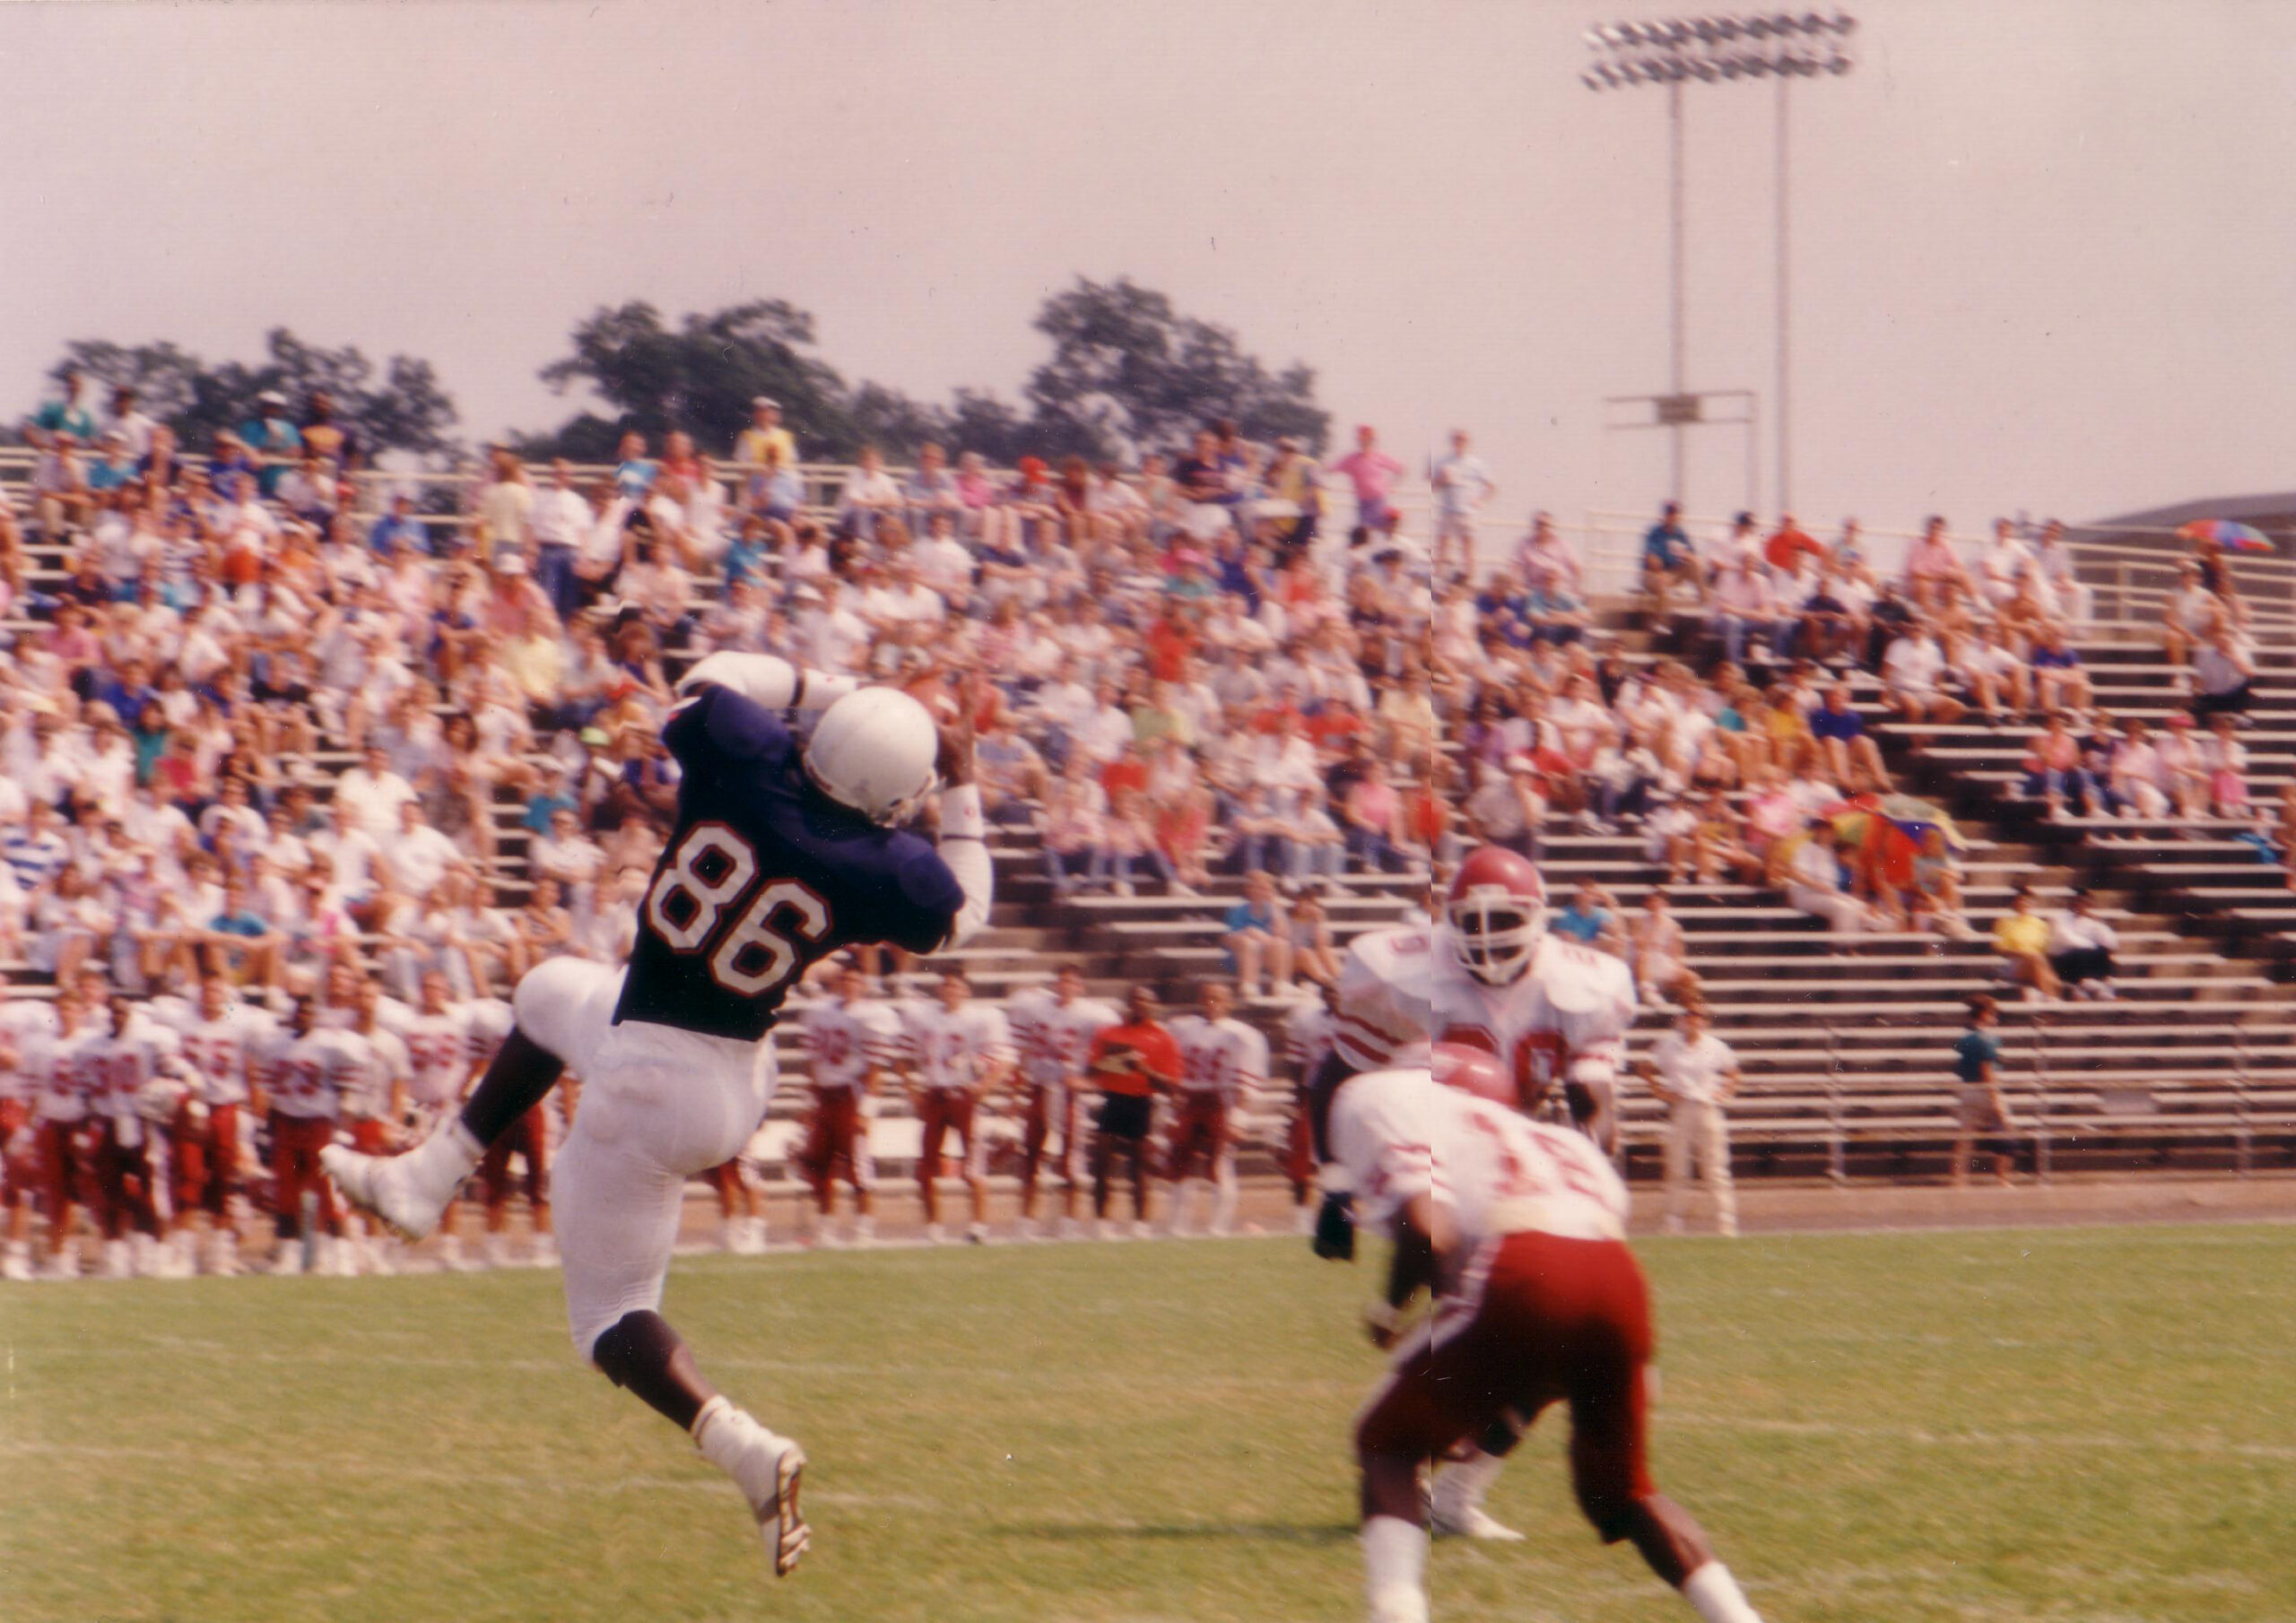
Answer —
1459 1486
1715 1594
1183 1197
1395 1562
1223 1200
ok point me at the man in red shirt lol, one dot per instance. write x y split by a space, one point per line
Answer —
1788 544
1130 1065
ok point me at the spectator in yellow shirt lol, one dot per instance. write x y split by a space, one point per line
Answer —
2020 936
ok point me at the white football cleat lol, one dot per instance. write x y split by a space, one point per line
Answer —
120 1262
934 1235
1472 1522
288 1259
765 1468
409 1191
17 1263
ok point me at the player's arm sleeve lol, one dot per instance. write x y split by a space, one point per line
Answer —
963 850
768 682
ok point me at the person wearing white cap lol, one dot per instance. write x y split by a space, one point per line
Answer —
765 441
272 435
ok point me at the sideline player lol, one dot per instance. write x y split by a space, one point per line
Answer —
1548 1306
221 1038
1309 1035
1222 1062
849 1042
958 1053
782 855
1054 1032
1130 1065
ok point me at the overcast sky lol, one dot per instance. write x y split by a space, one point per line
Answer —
2043 257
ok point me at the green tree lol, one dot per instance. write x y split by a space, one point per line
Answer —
699 377
1130 373
403 409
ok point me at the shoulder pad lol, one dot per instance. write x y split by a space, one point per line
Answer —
746 732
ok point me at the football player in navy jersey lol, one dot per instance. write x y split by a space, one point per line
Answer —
784 851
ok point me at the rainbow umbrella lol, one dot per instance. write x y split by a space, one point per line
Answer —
1885 833
2228 533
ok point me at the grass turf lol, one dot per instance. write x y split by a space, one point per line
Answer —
2039 1424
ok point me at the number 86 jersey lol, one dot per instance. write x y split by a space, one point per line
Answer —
763 876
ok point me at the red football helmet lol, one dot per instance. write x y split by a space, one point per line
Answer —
1475 1070
1497 911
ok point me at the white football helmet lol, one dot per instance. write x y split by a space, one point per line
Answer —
874 750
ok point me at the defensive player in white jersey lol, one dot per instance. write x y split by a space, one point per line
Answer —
1490 975
1546 1305
783 854
1223 1063
1053 1032
221 1038
957 1054
851 1041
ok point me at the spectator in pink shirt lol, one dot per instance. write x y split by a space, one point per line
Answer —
1373 473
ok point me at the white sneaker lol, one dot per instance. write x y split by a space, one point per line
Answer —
63 1265
977 1235
765 1468
120 1262
1071 1229
932 1235
451 1257
864 1232
494 1251
1472 1522
1025 1229
1108 1228
1142 1231
753 1237
143 1255
288 1259
16 1264
409 1191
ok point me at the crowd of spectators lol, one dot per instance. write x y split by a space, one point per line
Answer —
262 727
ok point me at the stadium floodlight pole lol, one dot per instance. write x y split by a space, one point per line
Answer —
1674 50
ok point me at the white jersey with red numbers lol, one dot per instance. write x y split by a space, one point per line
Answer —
130 1067
57 1074
1225 1056
366 1090
1307 1038
1060 1037
845 1041
1571 1007
1398 1134
225 1052
438 1058
309 1074
955 1048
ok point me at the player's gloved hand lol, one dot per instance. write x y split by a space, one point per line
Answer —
1334 1239
1382 1323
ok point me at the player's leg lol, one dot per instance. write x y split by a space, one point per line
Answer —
494 1195
1223 1170
1605 1354
1678 1155
860 1169
559 1007
620 1201
1179 1158
1714 1157
1036 1128
966 1120
933 1121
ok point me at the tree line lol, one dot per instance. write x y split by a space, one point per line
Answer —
1128 373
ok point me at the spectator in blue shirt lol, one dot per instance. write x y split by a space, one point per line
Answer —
399 522
273 437
1588 918
1977 1059
1668 557
1847 748
1256 934
66 414
635 472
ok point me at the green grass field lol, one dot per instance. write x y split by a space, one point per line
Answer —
2091 1424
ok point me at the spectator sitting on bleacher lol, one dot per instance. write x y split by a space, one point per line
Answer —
1590 918
2136 774
1256 935
1669 560
2184 768
2225 671
2053 770
2058 681
1934 575
1911 671
2226 759
2022 937
1741 605
1657 950
2081 948
1805 869
1846 752
1992 673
